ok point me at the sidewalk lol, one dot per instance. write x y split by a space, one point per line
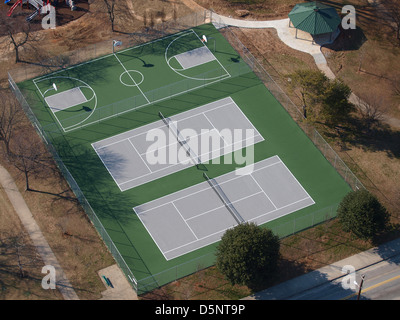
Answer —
35 234
288 289
119 288
304 41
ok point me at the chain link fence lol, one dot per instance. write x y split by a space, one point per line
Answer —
100 49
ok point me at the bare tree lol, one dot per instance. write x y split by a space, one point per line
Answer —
17 254
110 9
17 40
28 156
11 117
372 108
396 84
391 11
117 9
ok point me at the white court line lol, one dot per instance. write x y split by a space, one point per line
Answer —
254 179
233 202
223 206
176 164
210 153
222 230
40 91
293 176
80 125
134 148
132 78
175 143
285 206
172 202
54 115
215 128
227 75
212 54
44 77
163 125
86 86
266 213
154 240
205 188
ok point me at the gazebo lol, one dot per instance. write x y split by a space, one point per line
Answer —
315 18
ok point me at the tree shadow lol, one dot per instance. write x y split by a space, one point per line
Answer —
300 287
348 40
378 137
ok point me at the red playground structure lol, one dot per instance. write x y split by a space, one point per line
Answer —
38 4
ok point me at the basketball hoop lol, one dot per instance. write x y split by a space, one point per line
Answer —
204 39
116 43
53 87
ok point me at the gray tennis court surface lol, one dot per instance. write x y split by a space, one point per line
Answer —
129 157
196 217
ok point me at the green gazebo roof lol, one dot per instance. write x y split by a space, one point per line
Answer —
314 18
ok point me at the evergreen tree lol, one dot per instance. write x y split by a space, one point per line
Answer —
248 254
362 214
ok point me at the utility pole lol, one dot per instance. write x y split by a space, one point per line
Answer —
360 287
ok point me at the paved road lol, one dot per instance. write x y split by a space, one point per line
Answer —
380 265
381 282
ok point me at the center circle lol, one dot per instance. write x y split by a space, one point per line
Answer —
131 78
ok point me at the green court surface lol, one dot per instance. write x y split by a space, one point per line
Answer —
120 92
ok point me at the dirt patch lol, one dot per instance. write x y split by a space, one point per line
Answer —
17 20
267 47
259 10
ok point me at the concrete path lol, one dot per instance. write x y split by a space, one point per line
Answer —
304 42
28 221
291 289
120 288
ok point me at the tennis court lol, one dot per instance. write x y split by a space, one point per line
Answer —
130 157
197 216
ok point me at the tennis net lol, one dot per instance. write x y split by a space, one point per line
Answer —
221 194
170 124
